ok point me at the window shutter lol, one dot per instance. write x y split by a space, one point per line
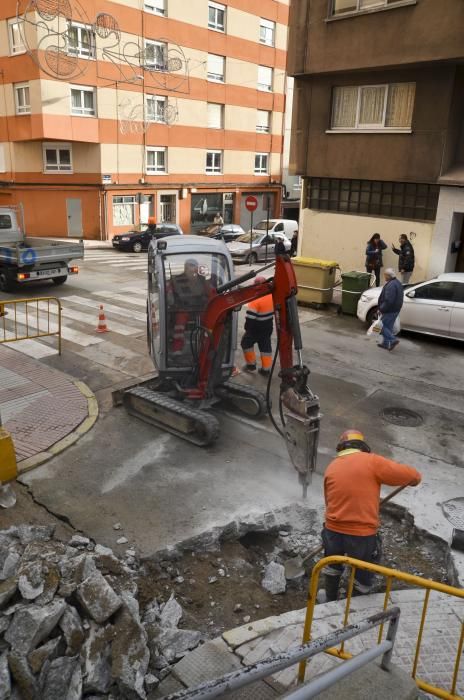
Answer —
214 116
265 76
215 64
263 120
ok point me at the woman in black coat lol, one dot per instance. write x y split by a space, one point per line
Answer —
374 261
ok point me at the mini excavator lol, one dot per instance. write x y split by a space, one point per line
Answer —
192 312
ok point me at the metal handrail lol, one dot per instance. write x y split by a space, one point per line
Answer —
246 676
390 575
36 321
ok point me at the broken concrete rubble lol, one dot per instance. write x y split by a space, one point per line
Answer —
274 578
71 627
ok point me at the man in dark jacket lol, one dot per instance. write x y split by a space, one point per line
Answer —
406 258
390 303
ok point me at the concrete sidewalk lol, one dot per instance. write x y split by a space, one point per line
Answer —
41 408
262 639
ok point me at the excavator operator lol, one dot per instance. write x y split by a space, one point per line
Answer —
188 295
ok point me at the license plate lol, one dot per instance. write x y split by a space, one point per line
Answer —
48 273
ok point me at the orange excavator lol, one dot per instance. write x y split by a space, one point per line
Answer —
193 300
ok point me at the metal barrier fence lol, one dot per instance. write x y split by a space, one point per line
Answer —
217 687
390 575
23 319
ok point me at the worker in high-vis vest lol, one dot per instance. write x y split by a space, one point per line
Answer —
258 331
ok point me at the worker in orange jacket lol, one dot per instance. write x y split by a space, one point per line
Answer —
352 496
258 331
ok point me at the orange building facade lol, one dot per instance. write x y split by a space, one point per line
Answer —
114 111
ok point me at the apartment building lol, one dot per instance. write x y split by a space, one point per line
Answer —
114 112
378 128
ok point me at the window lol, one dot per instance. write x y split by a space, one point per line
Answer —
341 6
439 291
216 65
263 121
215 116
22 99
401 200
373 106
156 160
81 40
83 101
57 157
156 55
15 36
261 163
216 16
156 108
158 7
265 78
267 32
2 158
124 210
214 162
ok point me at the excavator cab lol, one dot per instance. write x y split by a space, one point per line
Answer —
184 273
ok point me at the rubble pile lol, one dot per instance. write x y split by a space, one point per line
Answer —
70 622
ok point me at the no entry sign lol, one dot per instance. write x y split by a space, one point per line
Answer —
251 203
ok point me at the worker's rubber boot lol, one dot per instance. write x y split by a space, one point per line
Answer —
332 584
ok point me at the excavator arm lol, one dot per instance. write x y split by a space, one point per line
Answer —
298 406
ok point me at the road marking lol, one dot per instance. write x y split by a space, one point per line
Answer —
92 319
32 348
52 326
129 298
117 310
116 357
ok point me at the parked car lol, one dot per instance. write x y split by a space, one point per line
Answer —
252 247
226 233
140 240
435 307
286 226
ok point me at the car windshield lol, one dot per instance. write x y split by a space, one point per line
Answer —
246 237
264 225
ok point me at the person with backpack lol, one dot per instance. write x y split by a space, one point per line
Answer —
406 258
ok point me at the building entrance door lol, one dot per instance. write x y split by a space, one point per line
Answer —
167 208
74 214
460 258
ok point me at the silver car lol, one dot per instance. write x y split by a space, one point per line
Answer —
255 246
435 307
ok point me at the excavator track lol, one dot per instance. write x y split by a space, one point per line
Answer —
247 399
191 424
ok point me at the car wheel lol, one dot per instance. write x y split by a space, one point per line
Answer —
60 280
372 315
252 259
137 247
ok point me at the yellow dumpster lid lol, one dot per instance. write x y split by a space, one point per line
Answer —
314 262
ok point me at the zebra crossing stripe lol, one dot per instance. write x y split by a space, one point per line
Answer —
90 319
33 348
117 310
45 324
127 298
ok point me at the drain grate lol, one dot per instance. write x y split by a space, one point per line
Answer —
397 415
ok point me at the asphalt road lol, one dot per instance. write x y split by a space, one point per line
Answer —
163 490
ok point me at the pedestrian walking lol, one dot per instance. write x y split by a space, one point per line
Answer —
258 331
294 244
374 257
352 484
406 259
218 220
390 304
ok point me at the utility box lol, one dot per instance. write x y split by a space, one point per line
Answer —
353 285
316 279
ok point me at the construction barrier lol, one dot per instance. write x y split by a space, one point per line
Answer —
390 575
22 319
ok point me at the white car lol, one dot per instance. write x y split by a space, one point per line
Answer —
435 307
260 247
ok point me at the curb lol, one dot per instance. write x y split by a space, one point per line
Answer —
92 414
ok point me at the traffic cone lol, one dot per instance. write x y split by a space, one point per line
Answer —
102 327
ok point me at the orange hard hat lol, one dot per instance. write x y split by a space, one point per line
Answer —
352 439
152 220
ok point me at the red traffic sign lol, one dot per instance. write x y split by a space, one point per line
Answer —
251 203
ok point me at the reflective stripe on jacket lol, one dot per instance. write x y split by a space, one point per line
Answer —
259 316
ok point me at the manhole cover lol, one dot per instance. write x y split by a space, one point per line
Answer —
454 512
402 416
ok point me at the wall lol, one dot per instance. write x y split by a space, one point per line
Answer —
413 157
343 237
392 37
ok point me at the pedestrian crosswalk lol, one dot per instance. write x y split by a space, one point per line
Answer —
116 259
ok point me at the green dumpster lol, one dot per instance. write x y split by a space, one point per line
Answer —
316 279
353 285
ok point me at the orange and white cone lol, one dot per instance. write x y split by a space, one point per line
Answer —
102 327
